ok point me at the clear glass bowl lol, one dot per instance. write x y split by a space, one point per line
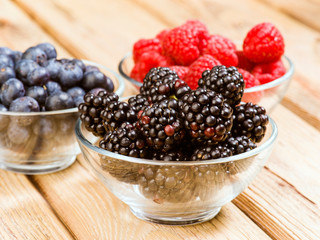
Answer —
267 95
176 193
43 142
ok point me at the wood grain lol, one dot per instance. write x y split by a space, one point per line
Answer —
105 43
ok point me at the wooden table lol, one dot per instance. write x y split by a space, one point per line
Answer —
281 203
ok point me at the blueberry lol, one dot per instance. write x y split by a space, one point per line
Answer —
17 56
96 79
90 68
95 91
7 51
59 101
23 67
109 85
24 104
6 73
70 75
38 76
79 63
49 49
53 66
76 91
6 60
38 93
52 87
4 120
35 54
77 100
63 60
10 90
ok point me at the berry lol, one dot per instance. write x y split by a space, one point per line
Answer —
37 76
211 152
7 51
79 63
180 70
244 62
182 43
23 67
6 73
35 54
76 91
239 144
138 102
162 34
263 43
269 71
95 91
17 56
38 93
18 134
52 87
222 49
224 80
126 141
173 155
24 104
49 50
250 120
94 79
53 67
90 68
206 116
70 75
250 81
6 60
58 101
10 90
145 45
161 125
197 67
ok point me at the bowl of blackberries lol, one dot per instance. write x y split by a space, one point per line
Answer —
176 155
39 97
260 59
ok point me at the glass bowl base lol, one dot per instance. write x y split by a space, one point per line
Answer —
178 220
38 169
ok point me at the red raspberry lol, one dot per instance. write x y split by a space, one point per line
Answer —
147 61
181 71
263 43
182 43
244 62
197 67
269 71
222 49
250 81
145 45
162 34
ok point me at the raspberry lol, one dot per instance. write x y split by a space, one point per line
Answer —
263 43
250 81
222 49
197 67
162 34
244 62
180 70
182 43
145 45
147 61
269 71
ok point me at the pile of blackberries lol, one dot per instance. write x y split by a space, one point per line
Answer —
35 80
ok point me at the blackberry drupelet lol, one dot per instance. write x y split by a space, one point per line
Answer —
239 144
211 152
161 125
206 116
173 155
250 120
138 102
91 109
226 81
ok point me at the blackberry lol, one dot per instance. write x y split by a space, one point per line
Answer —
91 109
173 155
226 81
239 144
138 102
161 126
250 120
211 152
127 141
206 116
162 83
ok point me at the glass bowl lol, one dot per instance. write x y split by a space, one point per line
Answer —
267 95
176 193
43 142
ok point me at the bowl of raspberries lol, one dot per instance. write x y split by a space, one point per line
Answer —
173 154
190 49
39 96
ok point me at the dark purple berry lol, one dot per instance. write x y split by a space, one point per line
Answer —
6 73
96 79
10 90
70 75
35 54
17 56
58 101
6 60
53 66
38 76
38 93
76 91
90 68
79 63
23 67
7 51
49 50
95 91
52 87
24 104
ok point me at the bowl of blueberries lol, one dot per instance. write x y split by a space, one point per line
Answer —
39 96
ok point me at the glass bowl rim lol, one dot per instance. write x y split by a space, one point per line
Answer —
119 92
262 87
244 155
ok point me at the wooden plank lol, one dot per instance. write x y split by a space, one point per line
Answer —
104 42
24 213
91 212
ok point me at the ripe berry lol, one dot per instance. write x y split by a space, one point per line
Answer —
24 104
49 50
145 45
35 54
10 90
